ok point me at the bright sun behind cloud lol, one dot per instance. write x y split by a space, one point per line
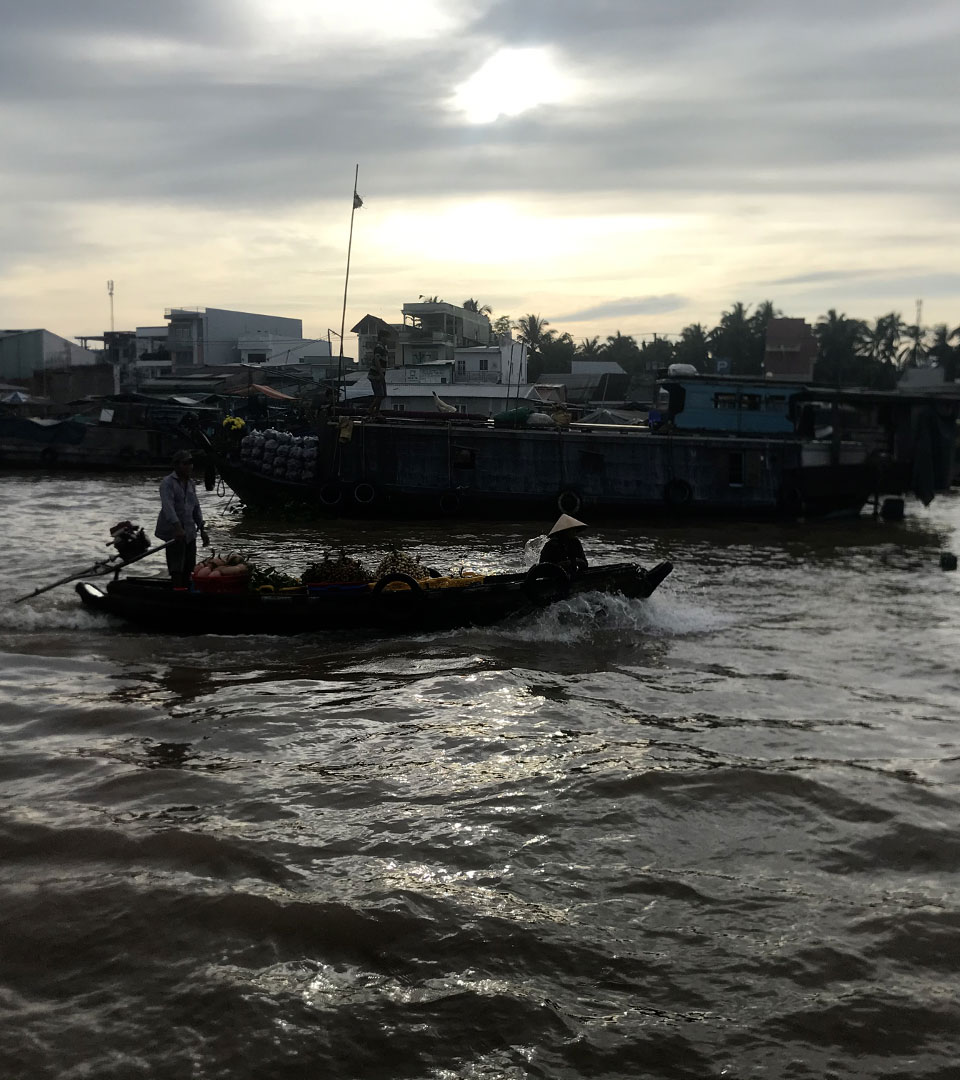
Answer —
511 82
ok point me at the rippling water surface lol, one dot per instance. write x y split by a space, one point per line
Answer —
716 834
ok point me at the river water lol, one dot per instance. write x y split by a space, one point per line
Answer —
713 834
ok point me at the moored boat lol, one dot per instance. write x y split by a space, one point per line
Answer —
395 603
717 446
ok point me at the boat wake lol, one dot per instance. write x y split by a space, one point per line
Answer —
62 612
668 613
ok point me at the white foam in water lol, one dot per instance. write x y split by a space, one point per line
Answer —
47 613
666 613
532 549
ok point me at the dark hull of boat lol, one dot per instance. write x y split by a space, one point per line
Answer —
429 471
153 604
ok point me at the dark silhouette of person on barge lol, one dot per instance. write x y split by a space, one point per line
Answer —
563 547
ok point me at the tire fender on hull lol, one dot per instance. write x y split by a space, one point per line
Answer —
330 494
546 583
415 588
677 492
569 502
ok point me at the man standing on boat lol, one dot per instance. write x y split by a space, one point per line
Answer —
378 377
563 546
180 519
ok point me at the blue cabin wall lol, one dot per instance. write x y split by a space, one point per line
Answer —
737 408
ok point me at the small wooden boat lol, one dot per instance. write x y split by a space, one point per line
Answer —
395 603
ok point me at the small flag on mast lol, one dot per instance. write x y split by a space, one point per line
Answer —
357 201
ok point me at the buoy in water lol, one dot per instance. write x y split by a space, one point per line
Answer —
948 561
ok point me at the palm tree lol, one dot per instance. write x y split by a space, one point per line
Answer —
590 348
843 343
942 352
764 313
884 337
534 333
623 350
734 340
913 354
693 347
474 305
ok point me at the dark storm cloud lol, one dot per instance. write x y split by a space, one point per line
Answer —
633 305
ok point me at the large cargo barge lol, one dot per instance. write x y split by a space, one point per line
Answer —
817 453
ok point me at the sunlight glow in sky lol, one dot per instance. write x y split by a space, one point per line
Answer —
512 82
616 166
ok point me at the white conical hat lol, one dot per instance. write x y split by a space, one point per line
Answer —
564 522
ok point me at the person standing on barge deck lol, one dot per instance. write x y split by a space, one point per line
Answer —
180 519
563 546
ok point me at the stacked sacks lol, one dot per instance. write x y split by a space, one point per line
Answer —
339 571
308 460
282 455
399 562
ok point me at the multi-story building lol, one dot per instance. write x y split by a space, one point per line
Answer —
431 331
482 380
208 337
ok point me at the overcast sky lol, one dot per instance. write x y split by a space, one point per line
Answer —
631 165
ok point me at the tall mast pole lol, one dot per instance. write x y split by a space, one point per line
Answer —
346 281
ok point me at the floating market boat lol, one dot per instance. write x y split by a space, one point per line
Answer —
395 603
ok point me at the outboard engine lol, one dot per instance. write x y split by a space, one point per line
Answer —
129 540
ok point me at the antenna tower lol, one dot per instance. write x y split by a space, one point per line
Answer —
110 294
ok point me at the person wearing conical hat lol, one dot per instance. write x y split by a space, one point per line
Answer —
563 546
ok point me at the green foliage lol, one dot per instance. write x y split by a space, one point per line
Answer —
622 349
557 354
851 352
693 347
475 305
534 333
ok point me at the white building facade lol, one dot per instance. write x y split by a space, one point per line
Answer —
209 337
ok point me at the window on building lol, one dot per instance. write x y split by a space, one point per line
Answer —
483 363
256 358
461 367
398 406
751 402
724 401
461 408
